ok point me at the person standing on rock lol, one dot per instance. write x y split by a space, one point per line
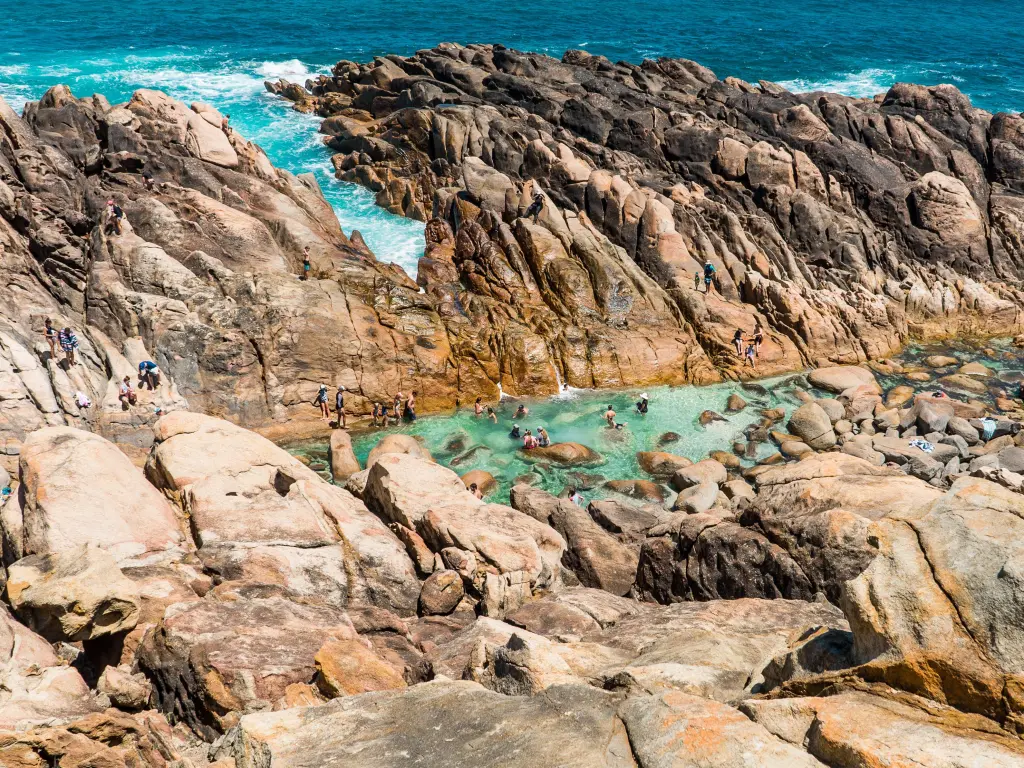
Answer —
114 217
709 276
305 263
751 355
758 338
339 406
321 400
68 343
50 334
737 341
696 280
535 207
398 408
375 413
410 407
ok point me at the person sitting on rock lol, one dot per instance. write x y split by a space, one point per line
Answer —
475 490
478 407
709 276
751 354
126 394
641 405
529 441
410 407
149 374
339 406
305 264
737 341
515 434
576 497
535 207
321 400
224 126
68 343
521 412
543 440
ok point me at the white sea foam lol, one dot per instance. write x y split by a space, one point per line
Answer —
290 69
13 69
862 84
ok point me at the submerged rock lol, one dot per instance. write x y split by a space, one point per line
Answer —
566 454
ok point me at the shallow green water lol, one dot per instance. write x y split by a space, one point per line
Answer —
999 355
464 442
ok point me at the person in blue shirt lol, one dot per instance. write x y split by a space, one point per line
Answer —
149 374
709 276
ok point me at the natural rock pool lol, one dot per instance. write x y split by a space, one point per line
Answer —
465 442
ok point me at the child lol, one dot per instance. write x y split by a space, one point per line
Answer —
751 354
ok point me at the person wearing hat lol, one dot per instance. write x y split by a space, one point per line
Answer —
321 400
641 405
339 406
543 441
515 434
709 276
521 412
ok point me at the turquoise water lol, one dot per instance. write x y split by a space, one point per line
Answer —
464 442
222 52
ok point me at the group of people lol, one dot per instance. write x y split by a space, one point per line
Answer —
749 349
149 378
65 337
402 408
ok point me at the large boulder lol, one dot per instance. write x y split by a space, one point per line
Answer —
812 424
73 595
937 611
35 685
566 454
504 553
660 463
597 558
397 443
80 489
840 378
212 661
343 459
259 515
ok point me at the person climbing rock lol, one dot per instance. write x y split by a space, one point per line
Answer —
68 343
339 406
149 374
410 407
709 276
50 334
535 207
321 400
737 341
305 264
114 217
126 394
147 181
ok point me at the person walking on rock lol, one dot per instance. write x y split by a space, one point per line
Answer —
68 343
114 217
410 407
398 408
535 207
339 406
321 400
50 334
709 276
751 355
149 374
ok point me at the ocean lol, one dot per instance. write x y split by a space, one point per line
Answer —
221 53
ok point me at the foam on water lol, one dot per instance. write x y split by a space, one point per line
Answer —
862 84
